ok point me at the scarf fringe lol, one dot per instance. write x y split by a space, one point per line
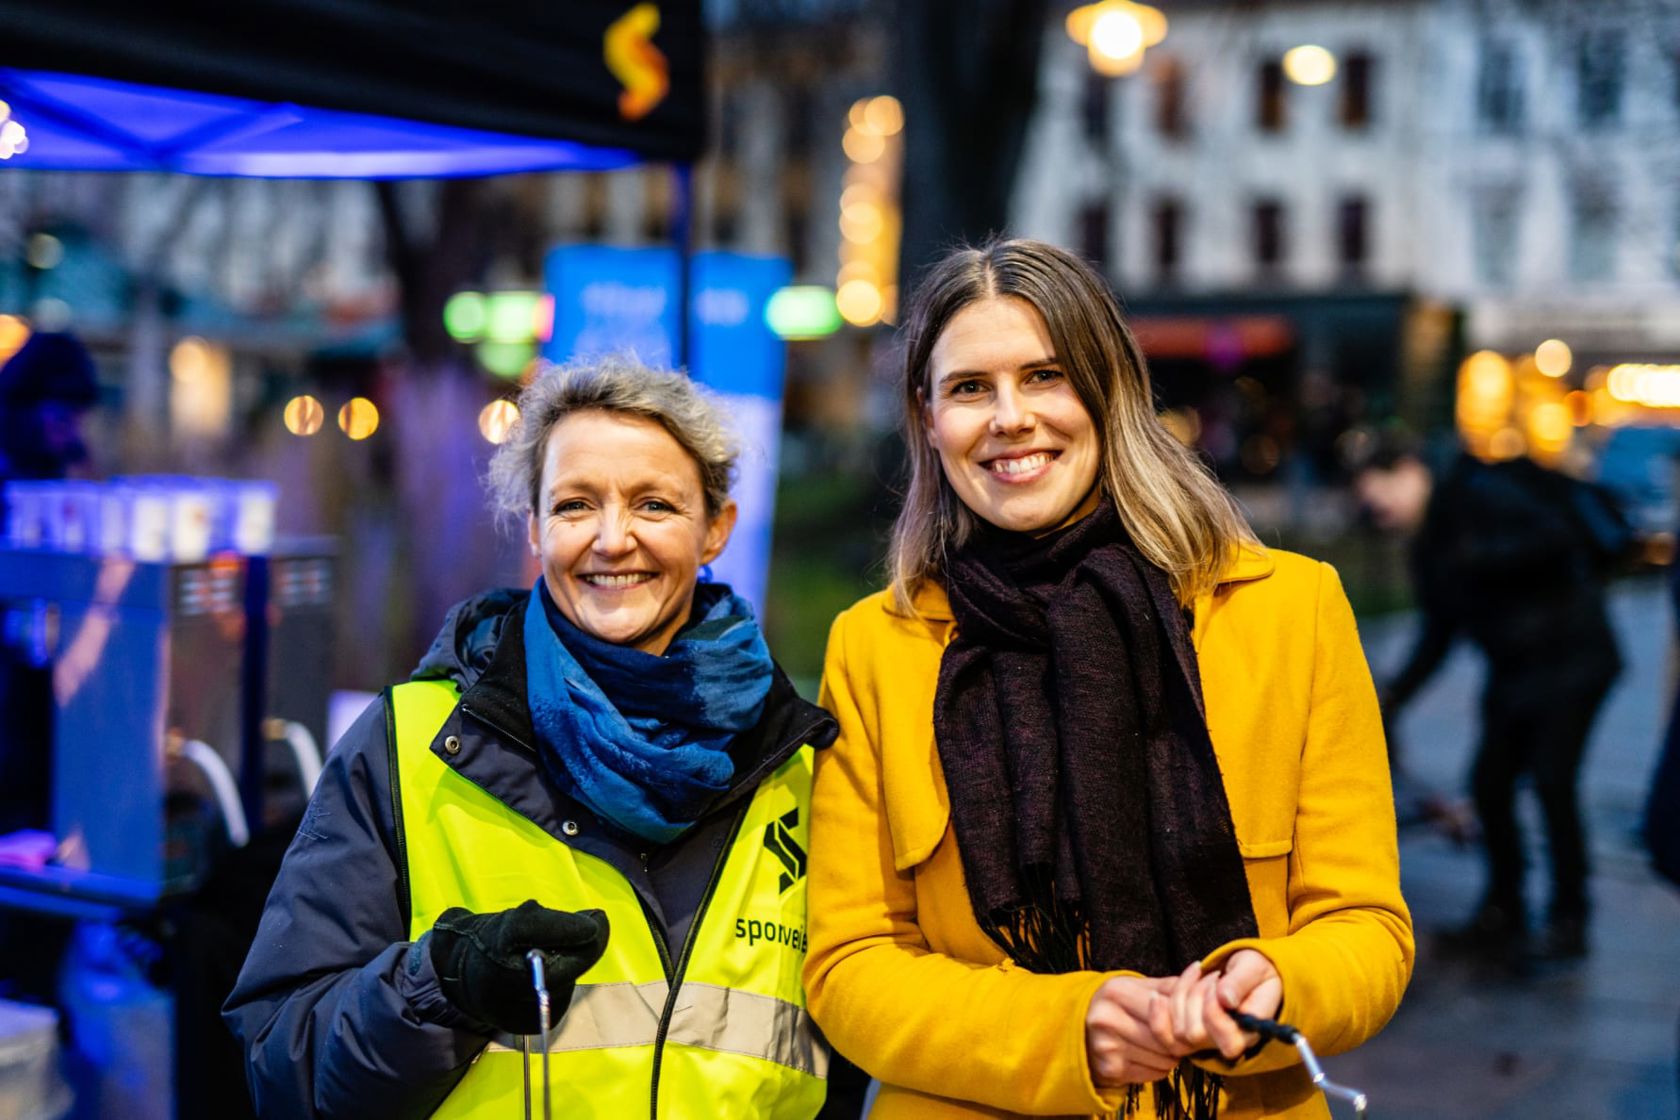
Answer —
1048 934
1187 1093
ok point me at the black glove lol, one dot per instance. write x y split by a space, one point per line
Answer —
481 965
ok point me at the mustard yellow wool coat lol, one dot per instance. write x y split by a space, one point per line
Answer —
902 980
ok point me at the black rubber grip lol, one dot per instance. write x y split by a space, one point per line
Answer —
1266 1028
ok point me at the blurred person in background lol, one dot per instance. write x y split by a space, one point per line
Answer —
1108 770
46 388
609 770
1513 556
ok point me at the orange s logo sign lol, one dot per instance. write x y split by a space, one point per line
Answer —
637 64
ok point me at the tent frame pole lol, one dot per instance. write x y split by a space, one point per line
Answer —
682 233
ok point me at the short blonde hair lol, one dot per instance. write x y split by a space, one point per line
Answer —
620 385
1176 512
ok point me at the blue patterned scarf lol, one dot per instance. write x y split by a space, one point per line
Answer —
643 740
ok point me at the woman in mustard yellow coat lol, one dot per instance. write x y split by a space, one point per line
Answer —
1107 769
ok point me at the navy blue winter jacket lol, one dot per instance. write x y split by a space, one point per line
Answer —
339 1013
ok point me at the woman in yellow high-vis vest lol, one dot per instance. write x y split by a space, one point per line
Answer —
609 770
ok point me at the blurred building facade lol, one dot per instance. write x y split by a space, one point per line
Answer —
1315 208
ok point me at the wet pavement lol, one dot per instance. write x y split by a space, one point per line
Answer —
1595 1040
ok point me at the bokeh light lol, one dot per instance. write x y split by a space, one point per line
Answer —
1309 65
1553 357
863 147
43 251
860 303
1507 443
464 316
14 139
861 221
190 360
1116 34
359 418
496 420
14 332
304 415
884 115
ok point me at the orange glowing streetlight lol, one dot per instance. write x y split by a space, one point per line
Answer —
1116 33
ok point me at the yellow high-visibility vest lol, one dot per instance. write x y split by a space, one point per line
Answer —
726 1035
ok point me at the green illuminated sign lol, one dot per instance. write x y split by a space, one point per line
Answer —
512 316
505 359
802 311
464 316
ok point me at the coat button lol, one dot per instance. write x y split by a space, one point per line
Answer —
452 745
570 828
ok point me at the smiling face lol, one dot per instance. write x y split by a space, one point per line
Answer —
1015 441
622 529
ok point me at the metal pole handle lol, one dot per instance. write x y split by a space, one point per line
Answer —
1282 1032
538 983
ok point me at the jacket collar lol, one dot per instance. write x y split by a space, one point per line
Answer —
496 703
1250 562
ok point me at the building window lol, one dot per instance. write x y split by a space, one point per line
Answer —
1093 232
1094 109
1499 91
1599 66
1353 234
1167 227
1672 249
1358 69
1271 106
1171 119
1269 236
1592 242
1493 235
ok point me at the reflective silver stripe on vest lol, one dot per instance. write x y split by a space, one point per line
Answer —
716 1018
707 1017
604 1015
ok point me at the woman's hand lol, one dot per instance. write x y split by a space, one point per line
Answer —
1119 1044
1192 1011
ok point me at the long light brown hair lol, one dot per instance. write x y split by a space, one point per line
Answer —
1177 514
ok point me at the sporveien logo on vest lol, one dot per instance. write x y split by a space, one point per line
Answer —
778 837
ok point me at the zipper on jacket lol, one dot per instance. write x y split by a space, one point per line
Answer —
676 974
659 941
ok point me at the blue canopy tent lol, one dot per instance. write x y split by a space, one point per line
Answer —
367 89
80 123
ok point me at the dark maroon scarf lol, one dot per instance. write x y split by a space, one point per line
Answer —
1089 810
